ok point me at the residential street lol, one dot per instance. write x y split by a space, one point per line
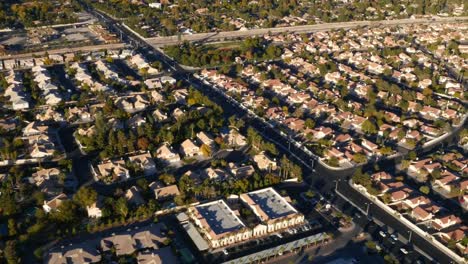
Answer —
321 177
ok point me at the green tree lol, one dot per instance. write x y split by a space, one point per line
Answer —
309 123
121 207
85 196
66 213
167 178
368 127
206 150
359 158
12 227
11 255
424 189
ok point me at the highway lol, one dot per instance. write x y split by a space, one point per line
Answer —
321 177
220 36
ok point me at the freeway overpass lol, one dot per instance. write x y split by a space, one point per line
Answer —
226 35
329 177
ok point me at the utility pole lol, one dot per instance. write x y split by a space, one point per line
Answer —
367 210
410 234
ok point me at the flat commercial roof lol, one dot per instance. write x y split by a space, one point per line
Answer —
220 218
195 236
271 203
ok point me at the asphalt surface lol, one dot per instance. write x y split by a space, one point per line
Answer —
220 36
390 221
316 175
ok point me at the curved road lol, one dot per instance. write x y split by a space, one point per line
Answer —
322 177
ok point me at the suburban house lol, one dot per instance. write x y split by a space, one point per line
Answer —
154 83
446 184
115 170
133 103
241 171
205 139
216 174
166 154
146 239
34 128
416 201
162 192
398 195
41 149
54 203
419 170
145 162
264 162
134 197
74 253
47 180
95 210
189 149
159 115
419 214
444 222
158 256
455 235
49 115
234 138
463 200
140 62
156 97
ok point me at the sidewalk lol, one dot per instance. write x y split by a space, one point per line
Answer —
344 242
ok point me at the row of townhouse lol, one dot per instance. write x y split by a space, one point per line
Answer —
141 63
41 141
69 57
85 80
146 244
44 82
192 148
161 192
262 162
15 91
110 73
115 170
